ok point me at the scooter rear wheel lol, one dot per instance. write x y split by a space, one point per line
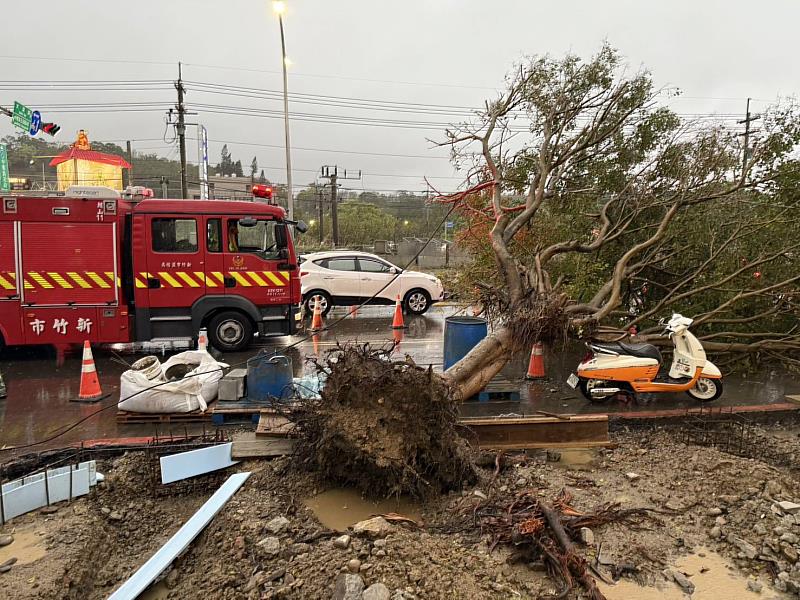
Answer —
706 390
586 386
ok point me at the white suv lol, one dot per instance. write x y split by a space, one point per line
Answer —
345 278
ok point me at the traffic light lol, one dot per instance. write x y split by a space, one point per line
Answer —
50 128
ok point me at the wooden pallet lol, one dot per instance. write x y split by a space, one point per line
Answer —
232 412
125 417
498 388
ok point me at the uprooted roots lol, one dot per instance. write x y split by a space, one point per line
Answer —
541 531
384 426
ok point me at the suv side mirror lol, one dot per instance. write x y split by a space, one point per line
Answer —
301 227
394 270
281 236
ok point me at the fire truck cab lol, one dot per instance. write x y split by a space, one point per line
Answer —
110 270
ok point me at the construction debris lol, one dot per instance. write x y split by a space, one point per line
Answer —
538 530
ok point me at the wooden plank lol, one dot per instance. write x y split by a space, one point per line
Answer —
537 432
261 448
271 425
707 411
551 446
794 398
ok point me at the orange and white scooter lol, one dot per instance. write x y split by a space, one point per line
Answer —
620 368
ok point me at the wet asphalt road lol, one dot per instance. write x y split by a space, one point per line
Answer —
40 392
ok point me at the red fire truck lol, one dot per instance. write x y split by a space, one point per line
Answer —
110 270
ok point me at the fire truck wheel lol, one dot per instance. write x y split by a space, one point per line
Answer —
230 331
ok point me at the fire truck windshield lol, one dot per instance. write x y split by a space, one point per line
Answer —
258 239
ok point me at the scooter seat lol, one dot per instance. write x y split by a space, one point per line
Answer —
638 350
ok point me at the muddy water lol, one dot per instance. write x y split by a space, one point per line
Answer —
712 577
338 509
27 546
577 459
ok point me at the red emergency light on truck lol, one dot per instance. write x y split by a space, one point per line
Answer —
110 270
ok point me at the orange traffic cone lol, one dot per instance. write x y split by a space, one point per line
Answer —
316 321
536 364
90 385
354 311
397 323
202 340
315 341
397 336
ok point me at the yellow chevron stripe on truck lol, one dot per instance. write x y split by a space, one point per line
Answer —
70 280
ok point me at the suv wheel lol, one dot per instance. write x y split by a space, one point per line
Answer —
417 301
315 296
230 331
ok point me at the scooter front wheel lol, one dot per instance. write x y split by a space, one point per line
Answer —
706 390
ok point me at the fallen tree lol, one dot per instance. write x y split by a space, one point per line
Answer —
591 204
384 426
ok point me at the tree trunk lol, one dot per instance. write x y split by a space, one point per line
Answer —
471 374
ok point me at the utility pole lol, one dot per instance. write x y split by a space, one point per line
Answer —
331 173
130 161
321 212
181 128
747 131
289 197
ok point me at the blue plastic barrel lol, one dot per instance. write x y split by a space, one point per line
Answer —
461 334
269 376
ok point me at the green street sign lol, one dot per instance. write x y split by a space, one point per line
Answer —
4 182
22 116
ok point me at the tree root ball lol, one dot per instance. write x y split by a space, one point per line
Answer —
383 426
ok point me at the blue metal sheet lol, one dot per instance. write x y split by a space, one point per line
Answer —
145 575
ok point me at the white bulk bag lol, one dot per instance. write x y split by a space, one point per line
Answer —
193 392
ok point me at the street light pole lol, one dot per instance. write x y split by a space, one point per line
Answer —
279 7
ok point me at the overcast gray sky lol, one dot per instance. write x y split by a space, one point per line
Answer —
434 52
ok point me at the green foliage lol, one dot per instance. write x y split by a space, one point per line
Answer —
621 194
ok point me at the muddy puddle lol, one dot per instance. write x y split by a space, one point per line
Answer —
27 547
577 459
710 574
339 509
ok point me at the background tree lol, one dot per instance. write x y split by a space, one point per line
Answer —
237 169
225 162
253 168
589 196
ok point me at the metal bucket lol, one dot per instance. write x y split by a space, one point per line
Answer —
269 376
461 334
149 366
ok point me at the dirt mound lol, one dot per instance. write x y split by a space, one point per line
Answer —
384 426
